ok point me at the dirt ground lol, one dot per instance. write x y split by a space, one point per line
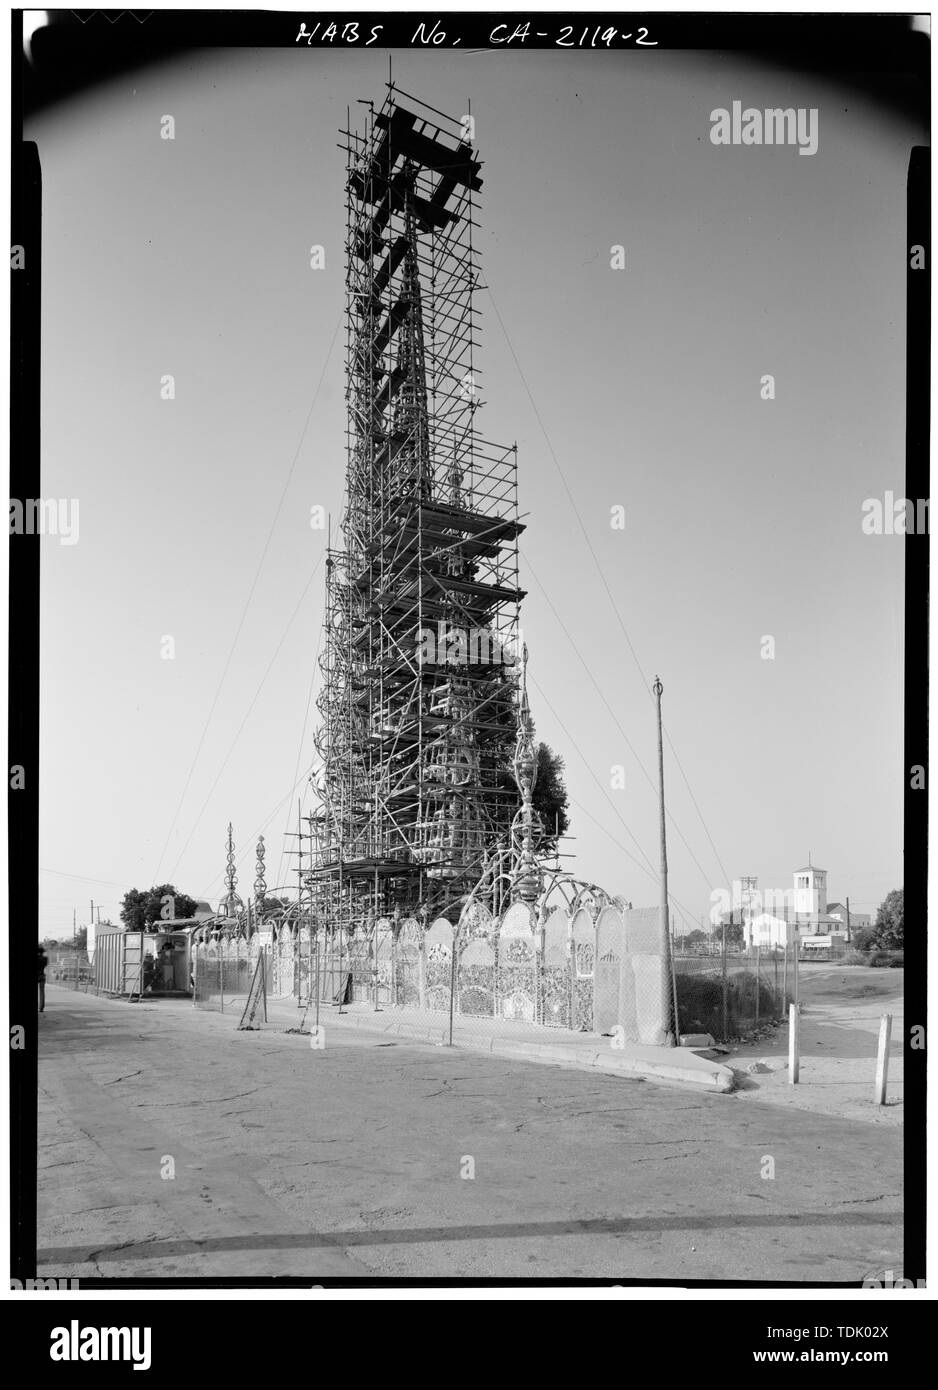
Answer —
839 1031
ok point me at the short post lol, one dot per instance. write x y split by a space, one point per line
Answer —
882 1058
793 1059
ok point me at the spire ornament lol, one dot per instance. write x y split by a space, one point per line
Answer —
527 879
232 902
260 883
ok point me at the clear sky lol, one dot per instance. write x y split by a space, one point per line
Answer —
637 387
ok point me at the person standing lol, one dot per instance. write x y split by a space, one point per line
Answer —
43 962
168 964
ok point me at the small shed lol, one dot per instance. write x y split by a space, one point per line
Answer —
134 963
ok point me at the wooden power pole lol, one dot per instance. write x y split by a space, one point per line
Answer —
669 984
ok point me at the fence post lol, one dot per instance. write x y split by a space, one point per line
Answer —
677 1016
882 1058
317 984
264 979
794 966
793 1058
452 988
785 977
221 973
775 978
758 986
726 1030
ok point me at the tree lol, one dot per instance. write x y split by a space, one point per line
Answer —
890 921
549 797
693 938
143 910
734 934
864 939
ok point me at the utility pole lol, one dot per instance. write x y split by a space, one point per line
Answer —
848 921
669 984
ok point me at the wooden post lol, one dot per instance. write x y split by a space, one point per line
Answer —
775 978
882 1058
726 1024
668 993
793 1058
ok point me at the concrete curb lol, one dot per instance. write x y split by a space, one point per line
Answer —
689 1070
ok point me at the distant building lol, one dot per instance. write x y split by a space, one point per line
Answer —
767 931
801 913
810 891
857 919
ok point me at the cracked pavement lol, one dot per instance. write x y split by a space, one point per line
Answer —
345 1163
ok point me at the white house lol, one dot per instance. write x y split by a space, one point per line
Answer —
767 931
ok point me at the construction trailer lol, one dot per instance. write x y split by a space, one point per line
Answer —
130 964
419 695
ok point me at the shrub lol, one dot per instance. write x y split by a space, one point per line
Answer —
700 1002
892 960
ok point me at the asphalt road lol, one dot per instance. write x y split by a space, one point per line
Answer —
173 1146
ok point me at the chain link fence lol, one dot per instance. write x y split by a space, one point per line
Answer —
734 994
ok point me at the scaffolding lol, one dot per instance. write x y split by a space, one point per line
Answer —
419 696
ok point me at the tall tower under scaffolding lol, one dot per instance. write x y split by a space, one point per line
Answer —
418 701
